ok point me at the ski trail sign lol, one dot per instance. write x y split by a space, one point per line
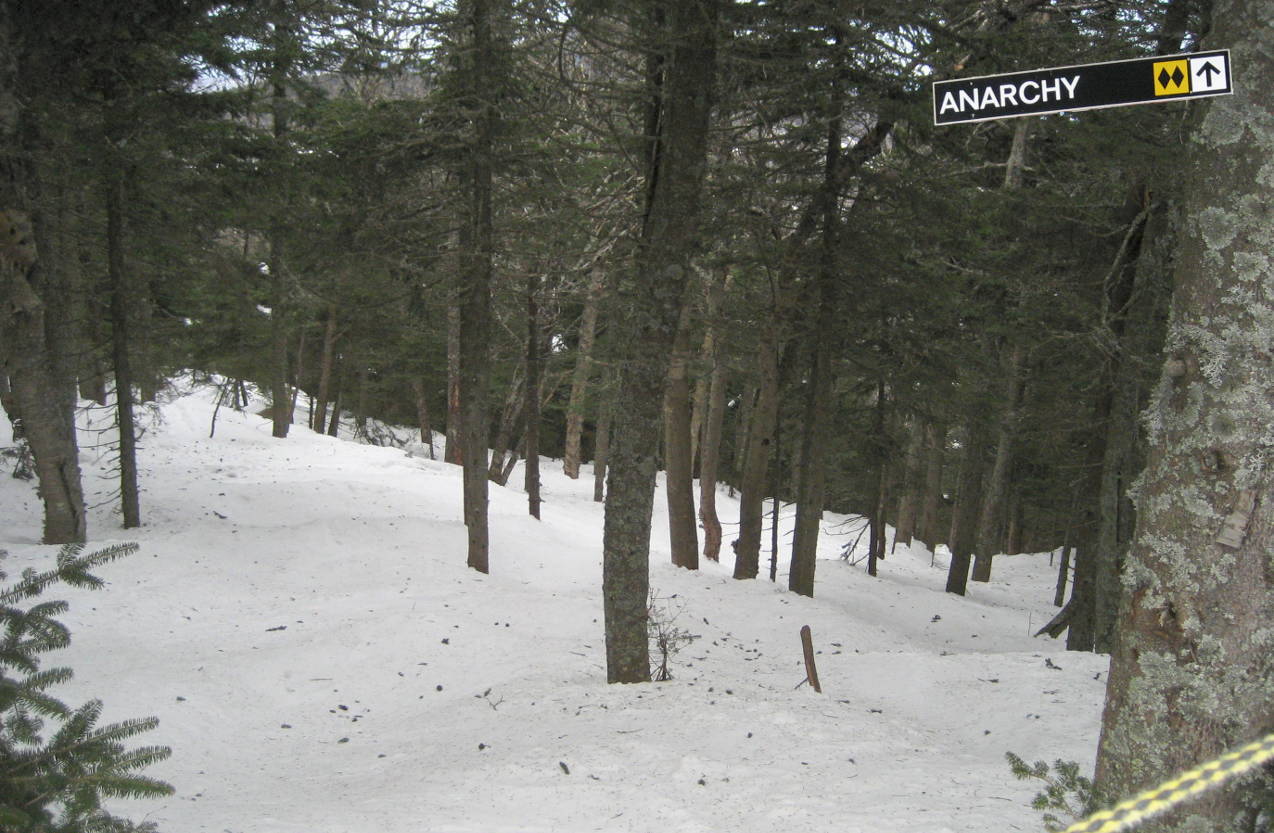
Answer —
1083 87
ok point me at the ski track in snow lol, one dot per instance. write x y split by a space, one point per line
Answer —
301 620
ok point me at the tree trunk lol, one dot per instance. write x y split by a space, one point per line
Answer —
452 451
507 428
1193 670
714 418
993 499
965 515
678 463
931 502
651 298
422 415
477 259
28 322
281 413
601 444
121 295
912 492
531 480
319 418
756 457
583 370
813 461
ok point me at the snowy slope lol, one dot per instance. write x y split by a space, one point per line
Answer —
301 620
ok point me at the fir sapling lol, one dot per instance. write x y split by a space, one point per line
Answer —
57 764
1065 790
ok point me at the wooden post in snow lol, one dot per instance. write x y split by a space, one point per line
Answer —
807 644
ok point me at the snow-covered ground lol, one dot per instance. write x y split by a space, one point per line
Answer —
301 620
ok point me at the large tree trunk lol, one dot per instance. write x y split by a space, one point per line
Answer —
477 251
762 418
28 323
680 84
583 370
678 461
713 420
1193 671
121 296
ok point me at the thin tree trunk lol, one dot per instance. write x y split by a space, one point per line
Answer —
452 452
571 454
601 444
1192 674
532 407
510 424
912 491
678 463
281 414
334 419
714 419
680 85
876 542
120 280
993 498
422 415
319 418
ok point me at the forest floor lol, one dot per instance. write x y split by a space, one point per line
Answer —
300 618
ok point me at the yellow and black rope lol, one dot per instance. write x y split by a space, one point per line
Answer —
1130 813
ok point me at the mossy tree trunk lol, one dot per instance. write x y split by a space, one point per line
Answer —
1193 671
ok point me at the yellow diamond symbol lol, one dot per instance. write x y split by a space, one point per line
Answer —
1171 77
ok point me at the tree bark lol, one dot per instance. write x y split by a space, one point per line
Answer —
678 462
714 419
931 502
993 498
281 410
681 83
965 515
318 420
121 296
912 492
812 476
762 419
452 452
531 480
28 321
601 444
571 455
477 265
1193 671
422 415
507 428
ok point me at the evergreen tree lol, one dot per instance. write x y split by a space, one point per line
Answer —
56 764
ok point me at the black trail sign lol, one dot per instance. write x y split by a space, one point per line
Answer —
1084 87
